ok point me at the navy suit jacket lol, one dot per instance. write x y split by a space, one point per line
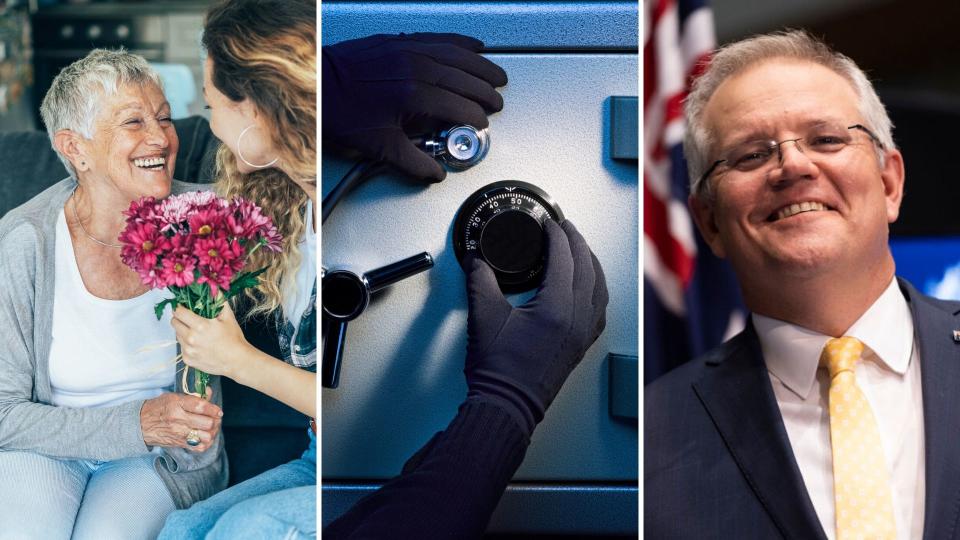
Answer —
717 461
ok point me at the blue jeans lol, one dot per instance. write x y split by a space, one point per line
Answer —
49 498
280 503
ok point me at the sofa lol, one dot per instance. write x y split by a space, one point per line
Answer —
260 432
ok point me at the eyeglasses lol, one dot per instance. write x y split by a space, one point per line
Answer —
823 140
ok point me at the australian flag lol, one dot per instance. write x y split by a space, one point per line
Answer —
691 299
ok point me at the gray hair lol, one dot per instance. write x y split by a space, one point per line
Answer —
736 57
78 92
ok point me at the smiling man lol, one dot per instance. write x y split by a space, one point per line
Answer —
834 414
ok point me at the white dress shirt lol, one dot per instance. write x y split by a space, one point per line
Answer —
888 374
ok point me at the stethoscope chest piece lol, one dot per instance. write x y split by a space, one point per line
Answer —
460 147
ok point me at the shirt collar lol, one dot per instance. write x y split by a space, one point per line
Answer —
792 353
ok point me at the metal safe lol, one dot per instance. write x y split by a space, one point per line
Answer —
569 127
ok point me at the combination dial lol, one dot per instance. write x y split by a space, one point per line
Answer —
502 223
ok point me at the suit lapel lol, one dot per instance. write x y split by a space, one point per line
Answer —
940 376
739 399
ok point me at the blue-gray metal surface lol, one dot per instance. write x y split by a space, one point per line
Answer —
402 374
624 392
624 135
500 25
401 378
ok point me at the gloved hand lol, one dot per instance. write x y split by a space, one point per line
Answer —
519 357
379 90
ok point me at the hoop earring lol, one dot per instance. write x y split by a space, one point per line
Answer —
240 154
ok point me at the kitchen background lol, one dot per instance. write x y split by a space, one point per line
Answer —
39 37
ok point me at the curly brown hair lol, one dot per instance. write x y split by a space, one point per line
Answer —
266 51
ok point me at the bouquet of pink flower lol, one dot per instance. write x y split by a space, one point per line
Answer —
196 245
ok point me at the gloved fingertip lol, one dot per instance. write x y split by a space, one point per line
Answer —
413 162
578 244
497 105
473 44
500 77
483 290
597 267
466 42
437 175
472 263
552 227
467 262
600 326
601 296
480 120
559 260
568 227
459 40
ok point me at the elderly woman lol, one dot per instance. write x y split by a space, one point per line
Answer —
93 440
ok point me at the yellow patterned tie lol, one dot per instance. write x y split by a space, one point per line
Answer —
864 505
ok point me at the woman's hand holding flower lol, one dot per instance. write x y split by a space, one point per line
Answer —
211 345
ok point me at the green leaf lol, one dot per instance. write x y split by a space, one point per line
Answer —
200 382
158 309
245 280
196 288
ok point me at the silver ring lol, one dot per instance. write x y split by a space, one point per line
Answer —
193 438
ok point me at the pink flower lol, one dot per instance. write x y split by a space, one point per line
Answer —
180 244
178 271
145 210
273 239
207 221
235 255
175 210
216 279
248 221
201 198
153 279
143 244
211 252
194 237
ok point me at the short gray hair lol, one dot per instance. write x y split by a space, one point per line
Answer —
77 93
736 57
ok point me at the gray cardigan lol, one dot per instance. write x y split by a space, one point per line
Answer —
28 422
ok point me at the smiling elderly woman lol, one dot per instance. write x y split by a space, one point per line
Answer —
93 442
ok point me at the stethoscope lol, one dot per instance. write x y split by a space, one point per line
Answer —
346 294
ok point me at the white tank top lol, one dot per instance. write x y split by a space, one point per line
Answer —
93 356
306 273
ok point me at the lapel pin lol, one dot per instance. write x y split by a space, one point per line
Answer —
956 335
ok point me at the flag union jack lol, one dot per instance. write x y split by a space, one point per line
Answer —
690 298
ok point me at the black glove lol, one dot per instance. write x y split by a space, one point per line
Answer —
379 90
519 357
